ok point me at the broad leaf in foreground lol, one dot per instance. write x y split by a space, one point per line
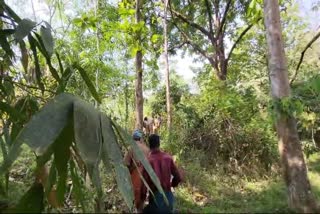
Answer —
24 28
45 32
87 134
111 147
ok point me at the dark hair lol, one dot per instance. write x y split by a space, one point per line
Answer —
154 141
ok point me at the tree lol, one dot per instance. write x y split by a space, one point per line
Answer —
138 62
166 62
205 26
294 167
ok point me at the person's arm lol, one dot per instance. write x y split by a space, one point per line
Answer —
177 177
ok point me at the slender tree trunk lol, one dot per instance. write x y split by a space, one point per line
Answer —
96 7
138 84
126 94
166 62
293 163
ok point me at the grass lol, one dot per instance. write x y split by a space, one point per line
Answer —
207 192
21 175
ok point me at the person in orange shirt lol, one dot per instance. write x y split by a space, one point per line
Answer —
140 191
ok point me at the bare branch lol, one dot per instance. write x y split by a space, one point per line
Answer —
302 56
240 38
195 46
178 46
224 17
192 24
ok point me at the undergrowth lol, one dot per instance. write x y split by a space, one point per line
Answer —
205 190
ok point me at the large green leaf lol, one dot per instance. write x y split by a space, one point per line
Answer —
43 129
88 82
111 147
45 32
32 201
25 26
88 139
24 55
33 47
87 131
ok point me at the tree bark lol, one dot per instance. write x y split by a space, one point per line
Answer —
138 83
293 163
166 62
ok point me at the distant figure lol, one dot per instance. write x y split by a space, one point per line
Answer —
157 124
140 191
168 174
148 126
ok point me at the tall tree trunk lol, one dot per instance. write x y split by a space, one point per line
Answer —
293 163
218 43
166 62
96 7
138 84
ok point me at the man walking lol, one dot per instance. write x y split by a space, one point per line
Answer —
168 174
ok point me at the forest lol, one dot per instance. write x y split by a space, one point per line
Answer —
232 87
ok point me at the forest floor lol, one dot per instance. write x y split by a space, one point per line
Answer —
203 191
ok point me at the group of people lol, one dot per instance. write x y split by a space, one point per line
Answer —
163 165
151 125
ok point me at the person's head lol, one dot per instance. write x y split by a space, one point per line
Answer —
145 119
137 135
154 141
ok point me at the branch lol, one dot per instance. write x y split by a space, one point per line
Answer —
192 24
195 46
224 17
186 37
20 85
177 46
302 55
209 16
240 38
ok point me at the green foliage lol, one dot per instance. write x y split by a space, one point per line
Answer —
288 106
227 126
94 136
